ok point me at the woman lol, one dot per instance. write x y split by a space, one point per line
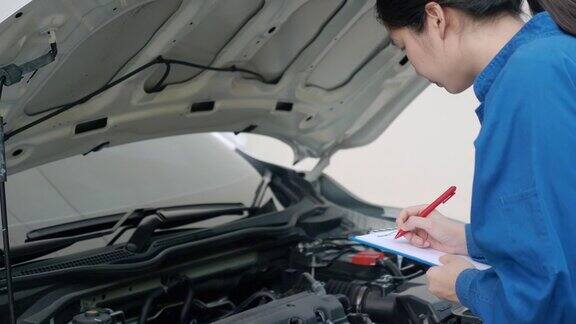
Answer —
523 218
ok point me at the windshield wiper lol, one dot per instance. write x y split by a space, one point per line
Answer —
43 241
31 251
175 215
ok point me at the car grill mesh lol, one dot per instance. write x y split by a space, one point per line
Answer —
98 259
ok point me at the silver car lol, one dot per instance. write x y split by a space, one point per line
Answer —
128 201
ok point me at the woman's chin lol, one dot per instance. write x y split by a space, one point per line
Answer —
454 90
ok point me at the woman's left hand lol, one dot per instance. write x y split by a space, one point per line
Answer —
442 279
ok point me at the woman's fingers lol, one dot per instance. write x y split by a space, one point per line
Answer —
414 223
418 238
407 213
425 237
417 227
417 241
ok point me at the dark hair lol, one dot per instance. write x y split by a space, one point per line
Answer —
411 13
563 12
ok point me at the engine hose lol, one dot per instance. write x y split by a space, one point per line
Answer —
185 314
150 299
247 302
148 304
392 267
316 286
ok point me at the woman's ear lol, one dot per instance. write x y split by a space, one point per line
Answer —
436 18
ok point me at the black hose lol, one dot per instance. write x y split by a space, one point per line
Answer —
185 313
391 266
155 294
217 69
339 255
410 276
158 87
148 304
63 108
247 302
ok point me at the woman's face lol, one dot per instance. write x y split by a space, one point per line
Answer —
436 53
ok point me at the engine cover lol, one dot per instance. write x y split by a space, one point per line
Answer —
302 308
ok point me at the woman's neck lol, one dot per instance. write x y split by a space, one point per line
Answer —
488 39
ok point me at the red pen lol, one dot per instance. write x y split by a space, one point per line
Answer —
426 211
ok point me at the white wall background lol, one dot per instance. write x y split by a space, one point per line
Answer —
428 148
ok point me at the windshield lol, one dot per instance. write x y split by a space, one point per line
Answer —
190 169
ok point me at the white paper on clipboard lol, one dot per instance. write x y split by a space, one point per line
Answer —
384 240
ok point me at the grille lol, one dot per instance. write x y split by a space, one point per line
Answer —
98 259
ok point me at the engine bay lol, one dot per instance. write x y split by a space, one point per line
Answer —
329 280
289 261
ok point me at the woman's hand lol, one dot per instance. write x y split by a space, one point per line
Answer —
442 279
435 231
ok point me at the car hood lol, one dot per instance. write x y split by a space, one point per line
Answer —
330 77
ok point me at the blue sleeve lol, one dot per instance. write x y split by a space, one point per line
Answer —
473 250
529 189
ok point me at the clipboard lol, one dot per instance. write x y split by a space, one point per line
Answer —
384 240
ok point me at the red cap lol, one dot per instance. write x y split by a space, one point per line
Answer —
367 258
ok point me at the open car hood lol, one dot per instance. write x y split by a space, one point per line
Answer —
330 78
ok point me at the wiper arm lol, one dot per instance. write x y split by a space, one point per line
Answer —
182 215
41 242
80 227
33 250
177 214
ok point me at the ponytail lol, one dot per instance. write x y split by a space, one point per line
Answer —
562 11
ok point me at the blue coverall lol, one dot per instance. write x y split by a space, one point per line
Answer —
523 217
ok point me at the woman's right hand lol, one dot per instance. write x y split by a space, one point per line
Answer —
435 231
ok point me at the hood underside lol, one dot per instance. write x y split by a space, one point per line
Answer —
328 77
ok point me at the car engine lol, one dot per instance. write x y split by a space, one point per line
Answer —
331 280
288 261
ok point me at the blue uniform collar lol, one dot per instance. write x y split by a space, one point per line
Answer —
540 25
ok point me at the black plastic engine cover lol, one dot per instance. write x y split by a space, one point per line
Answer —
302 308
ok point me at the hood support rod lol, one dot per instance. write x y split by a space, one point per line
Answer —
4 217
9 75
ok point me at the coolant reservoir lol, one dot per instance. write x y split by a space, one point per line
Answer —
96 315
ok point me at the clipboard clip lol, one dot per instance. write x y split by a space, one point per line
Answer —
387 229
